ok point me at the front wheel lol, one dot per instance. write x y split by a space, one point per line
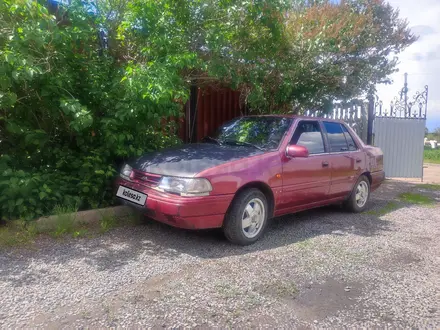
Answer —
357 202
247 218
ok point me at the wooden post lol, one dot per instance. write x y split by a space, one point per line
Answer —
193 114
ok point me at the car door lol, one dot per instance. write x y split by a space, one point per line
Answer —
306 180
345 159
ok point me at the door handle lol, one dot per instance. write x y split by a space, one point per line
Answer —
324 164
358 160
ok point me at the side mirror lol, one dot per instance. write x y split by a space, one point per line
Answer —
296 151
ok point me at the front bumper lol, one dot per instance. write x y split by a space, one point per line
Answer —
184 212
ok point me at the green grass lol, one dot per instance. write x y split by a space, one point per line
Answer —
17 233
388 208
227 290
108 222
414 198
410 198
431 155
428 186
304 244
282 289
63 223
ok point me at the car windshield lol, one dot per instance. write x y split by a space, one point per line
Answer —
258 132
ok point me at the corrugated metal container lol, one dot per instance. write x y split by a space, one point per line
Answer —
215 107
211 107
401 140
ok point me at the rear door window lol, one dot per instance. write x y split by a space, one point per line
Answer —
308 134
351 144
336 137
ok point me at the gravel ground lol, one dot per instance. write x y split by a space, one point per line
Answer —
321 268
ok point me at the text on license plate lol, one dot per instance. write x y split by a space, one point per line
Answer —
131 195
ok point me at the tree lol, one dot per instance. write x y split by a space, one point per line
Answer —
436 133
282 55
343 50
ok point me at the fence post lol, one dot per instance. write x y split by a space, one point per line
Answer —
370 119
364 121
192 120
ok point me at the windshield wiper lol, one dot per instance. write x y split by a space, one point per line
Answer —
242 143
209 138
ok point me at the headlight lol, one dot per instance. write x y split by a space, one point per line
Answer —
126 172
185 186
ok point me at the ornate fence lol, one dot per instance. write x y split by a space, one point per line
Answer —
361 115
404 107
354 113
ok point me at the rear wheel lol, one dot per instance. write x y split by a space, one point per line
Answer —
357 202
247 217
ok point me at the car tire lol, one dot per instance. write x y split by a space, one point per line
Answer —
359 197
247 217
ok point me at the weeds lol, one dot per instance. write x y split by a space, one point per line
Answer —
432 156
388 208
227 291
17 233
410 198
80 233
418 199
304 244
428 186
282 289
64 220
107 222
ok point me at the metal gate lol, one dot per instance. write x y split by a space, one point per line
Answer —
401 140
399 132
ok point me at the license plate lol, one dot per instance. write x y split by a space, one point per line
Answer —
131 195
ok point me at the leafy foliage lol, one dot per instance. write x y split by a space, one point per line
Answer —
434 135
86 86
66 119
431 155
282 55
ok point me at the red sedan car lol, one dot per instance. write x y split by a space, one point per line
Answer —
253 169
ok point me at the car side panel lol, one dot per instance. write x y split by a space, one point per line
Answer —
374 164
308 206
305 181
228 178
346 169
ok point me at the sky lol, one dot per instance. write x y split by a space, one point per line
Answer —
422 59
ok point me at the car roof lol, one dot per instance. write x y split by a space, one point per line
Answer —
299 117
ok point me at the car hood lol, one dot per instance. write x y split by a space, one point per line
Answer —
189 159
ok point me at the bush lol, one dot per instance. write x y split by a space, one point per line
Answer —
432 155
68 118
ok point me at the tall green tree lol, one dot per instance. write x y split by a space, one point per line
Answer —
283 55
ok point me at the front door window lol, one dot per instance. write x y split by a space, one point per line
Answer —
308 134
